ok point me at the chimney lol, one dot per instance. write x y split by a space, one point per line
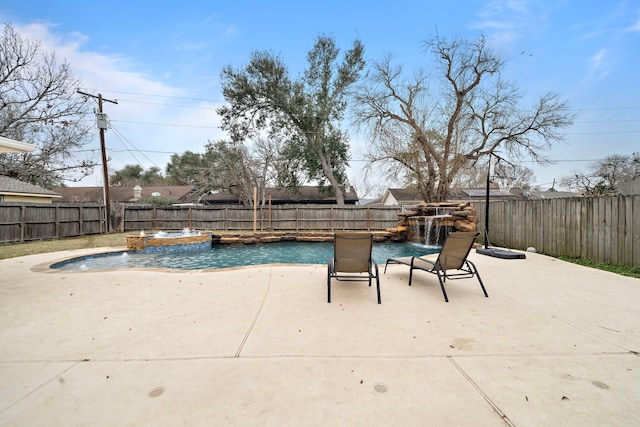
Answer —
137 192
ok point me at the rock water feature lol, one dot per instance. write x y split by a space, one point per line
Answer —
429 223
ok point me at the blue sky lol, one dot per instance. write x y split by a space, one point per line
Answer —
162 61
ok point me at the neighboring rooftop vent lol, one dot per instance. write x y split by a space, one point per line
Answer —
137 192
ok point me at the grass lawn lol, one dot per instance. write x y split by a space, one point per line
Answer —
11 250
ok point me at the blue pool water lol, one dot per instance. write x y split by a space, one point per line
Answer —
224 256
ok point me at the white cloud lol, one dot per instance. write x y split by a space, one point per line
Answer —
599 67
151 116
507 22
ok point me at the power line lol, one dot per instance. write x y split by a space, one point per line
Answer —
155 95
194 107
220 100
166 124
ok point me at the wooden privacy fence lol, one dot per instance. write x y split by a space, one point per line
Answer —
24 222
139 217
602 229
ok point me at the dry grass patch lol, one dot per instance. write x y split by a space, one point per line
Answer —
12 250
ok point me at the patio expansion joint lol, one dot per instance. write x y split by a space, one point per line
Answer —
41 385
484 395
577 327
257 315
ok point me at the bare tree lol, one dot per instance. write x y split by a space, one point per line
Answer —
232 166
605 176
39 105
427 129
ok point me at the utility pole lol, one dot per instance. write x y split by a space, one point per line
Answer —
102 125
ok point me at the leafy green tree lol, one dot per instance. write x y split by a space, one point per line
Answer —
132 175
429 128
186 169
307 111
153 177
39 105
128 176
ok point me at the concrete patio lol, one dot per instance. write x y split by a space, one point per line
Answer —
554 344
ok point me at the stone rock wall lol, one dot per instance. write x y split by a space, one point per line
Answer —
460 216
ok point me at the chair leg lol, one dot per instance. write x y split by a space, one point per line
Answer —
473 268
329 282
441 280
377 283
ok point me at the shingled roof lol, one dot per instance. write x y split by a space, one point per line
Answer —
16 187
119 194
304 195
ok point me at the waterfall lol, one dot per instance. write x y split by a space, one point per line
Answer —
415 225
431 232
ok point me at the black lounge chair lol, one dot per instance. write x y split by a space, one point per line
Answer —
453 256
352 260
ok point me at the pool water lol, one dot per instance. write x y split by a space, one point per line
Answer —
224 256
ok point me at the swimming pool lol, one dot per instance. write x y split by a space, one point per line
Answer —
225 256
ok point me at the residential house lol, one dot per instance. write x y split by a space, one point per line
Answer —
400 197
407 198
275 196
15 191
121 194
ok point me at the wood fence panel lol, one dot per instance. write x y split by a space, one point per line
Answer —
613 221
137 218
598 225
350 219
625 242
170 218
69 220
496 216
587 230
559 227
382 218
39 222
203 218
604 229
634 231
548 245
320 218
284 218
576 227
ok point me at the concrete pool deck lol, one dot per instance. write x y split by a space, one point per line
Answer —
554 344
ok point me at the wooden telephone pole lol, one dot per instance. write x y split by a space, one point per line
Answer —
102 125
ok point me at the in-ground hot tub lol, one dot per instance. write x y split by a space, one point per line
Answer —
162 242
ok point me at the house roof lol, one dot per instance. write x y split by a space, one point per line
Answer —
551 194
481 193
12 146
16 187
119 194
305 194
405 195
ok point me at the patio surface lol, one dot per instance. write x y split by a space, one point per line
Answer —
554 344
